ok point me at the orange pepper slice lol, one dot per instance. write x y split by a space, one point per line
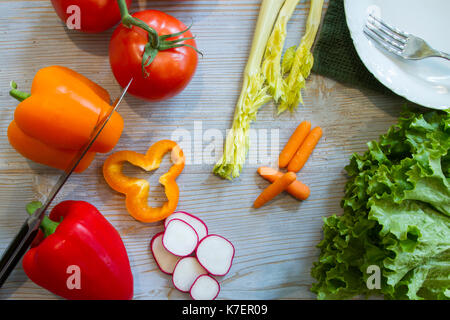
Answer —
137 190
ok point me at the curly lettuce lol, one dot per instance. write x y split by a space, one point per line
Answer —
396 216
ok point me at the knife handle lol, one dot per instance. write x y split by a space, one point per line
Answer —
15 251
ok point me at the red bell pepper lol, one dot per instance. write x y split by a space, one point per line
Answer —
79 242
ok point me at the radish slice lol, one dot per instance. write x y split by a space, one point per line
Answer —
180 238
164 259
215 254
186 271
196 223
205 287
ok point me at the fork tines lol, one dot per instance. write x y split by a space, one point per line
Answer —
389 37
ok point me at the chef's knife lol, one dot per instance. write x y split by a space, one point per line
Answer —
30 228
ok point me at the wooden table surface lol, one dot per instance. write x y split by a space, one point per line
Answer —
275 245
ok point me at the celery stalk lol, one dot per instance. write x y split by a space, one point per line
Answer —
253 95
271 66
302 61
288 60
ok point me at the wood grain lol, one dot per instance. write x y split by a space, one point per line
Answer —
275 245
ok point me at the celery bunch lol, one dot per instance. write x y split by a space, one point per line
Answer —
253 95
271 66
299 65
267 76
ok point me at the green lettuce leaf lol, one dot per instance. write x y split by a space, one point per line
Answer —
396 216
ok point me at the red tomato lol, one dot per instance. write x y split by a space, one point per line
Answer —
95 15
171 70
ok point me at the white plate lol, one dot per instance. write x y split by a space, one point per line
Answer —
425 82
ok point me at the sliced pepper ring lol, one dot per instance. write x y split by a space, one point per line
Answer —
137 190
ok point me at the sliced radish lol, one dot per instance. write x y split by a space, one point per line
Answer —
205 287
164 259
193 221
186 271
180 238
215 254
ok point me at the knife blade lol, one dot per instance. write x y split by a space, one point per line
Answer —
30 228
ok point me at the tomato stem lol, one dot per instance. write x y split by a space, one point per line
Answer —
155 43
129 21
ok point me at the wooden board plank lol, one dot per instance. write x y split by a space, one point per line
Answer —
275 245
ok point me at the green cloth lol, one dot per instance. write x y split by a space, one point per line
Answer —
335 56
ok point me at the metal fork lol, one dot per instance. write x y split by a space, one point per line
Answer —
399 42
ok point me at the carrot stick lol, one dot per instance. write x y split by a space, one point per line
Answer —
305 150
275 189
297 189
294 143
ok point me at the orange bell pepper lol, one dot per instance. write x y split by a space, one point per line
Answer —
57 119
136 190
